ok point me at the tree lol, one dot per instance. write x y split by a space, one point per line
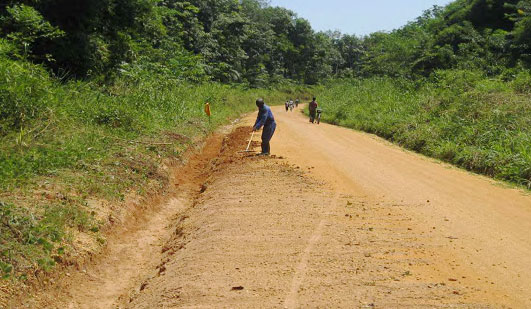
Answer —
25 26
521 34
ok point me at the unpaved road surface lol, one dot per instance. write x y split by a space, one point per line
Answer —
336 219
476 228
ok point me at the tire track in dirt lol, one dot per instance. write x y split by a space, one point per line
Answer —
302 268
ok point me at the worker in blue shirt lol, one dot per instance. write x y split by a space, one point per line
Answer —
267 120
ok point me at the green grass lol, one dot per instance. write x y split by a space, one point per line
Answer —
62 144
34 239
83 125
461 117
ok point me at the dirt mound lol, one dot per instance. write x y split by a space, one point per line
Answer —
237 247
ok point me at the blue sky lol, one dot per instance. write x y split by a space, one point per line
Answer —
359 17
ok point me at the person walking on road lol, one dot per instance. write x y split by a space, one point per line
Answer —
286 105
267 120
312 107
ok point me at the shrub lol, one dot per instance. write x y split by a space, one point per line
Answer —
457 81
522 82
31 238
24 92
24 25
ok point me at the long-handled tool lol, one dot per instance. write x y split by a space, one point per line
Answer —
250 141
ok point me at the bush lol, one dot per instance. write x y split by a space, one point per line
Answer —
24 25
24 92
522 82
457 81
31 238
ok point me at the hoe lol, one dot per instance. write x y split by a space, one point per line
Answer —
249 144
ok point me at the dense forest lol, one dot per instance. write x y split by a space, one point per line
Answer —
248 41
96 94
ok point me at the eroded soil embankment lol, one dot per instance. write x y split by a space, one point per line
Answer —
136 248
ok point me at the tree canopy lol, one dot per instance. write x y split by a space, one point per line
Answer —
249 41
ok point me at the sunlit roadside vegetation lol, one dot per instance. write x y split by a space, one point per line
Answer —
462 117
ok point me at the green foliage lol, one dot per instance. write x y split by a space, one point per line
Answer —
245 42
24 26
34 239
135 106
522 82
522 31
249 42
24 91
466 34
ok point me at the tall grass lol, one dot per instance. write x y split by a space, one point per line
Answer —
461 117
83 124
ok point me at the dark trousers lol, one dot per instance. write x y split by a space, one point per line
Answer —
312 116
267 134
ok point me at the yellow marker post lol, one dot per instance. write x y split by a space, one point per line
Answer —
207 111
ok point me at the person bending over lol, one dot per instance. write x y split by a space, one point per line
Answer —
267 120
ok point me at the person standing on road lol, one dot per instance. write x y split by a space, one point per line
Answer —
287 105
312 107
297 102
267 120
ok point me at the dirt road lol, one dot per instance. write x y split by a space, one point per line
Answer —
483 228
338 219
347 220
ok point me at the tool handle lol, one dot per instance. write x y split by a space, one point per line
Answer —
250 140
